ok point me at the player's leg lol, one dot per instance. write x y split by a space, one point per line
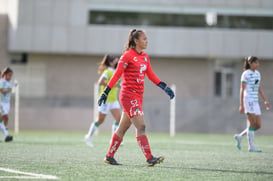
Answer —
124 125
5 113
143 142
3 128
116 113
238 137
93 127
252 109
254 125
251 133
5 119
257 125
258 122
243 133
117 138
1 122
238 140
103 111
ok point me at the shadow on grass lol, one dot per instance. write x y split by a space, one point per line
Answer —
201 169
222 170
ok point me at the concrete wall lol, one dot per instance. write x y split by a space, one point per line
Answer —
199 3
74 75
56 84
62 27
4 56
57 90
65 95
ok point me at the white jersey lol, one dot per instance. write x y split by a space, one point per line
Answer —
252 81
4 84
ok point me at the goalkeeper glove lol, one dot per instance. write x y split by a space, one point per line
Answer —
104 95
168 90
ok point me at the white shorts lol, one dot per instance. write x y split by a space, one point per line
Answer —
5 108
252 107
105 108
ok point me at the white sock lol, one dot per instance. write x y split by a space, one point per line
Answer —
92 129
4 130
243 133
114 127
250 137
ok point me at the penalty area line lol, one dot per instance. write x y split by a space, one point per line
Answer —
27 175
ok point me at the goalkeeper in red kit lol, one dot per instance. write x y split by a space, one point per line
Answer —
133 65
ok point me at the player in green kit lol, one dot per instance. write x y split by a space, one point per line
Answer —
106 69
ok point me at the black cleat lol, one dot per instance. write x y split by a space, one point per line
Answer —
8 138
154 160
111 161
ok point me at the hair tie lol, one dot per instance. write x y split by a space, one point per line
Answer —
249 58
133 31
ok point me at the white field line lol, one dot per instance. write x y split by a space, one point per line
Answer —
17 177
33 175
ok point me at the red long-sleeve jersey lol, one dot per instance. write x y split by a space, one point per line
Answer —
133 67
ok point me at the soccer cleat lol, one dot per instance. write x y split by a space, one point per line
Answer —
111 161
88 141
8 138
254 149
154 160
238 139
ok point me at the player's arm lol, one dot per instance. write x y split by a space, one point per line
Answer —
267 104
102 80
5 91
120 69
242 89
151 75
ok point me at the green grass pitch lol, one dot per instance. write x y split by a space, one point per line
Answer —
187 157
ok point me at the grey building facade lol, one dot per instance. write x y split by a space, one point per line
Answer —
54 46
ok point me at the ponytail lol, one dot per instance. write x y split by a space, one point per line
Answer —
248 60
133 34
107 59
5 71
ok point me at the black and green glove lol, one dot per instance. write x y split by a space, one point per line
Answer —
104 95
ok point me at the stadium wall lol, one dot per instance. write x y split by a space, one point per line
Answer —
56 82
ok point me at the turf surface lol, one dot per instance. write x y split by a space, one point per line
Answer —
187 157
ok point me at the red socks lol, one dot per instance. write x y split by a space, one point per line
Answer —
114 145
144 145
141 140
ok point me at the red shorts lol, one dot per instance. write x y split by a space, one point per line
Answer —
132 105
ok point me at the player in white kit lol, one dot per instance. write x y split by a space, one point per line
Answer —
5 96
249 101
